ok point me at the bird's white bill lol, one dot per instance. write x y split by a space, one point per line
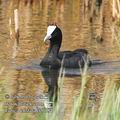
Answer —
47 37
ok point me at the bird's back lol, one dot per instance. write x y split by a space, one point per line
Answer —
74 59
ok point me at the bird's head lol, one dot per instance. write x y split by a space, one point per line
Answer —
54 35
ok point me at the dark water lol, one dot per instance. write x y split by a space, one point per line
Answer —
22 76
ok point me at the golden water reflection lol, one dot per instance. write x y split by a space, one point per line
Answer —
78 32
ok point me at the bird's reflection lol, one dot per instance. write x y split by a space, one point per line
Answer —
51 78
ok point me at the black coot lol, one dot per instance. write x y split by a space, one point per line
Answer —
68 59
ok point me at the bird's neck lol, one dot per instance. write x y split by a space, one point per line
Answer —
53 50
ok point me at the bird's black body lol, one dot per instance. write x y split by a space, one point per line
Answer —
67 59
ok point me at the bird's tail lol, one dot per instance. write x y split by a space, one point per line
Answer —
97 62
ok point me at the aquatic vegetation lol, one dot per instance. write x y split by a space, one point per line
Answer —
109 107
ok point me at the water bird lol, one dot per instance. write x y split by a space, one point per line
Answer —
68 59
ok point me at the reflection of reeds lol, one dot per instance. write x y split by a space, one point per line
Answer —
14 37
116 33
16 20
116 23
1 70
116 9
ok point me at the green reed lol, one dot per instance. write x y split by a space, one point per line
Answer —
78 102
109 107
110 103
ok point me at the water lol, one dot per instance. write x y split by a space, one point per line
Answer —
22 75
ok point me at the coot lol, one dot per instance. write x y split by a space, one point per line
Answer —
68 59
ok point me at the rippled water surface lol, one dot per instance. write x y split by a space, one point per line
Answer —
22 76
